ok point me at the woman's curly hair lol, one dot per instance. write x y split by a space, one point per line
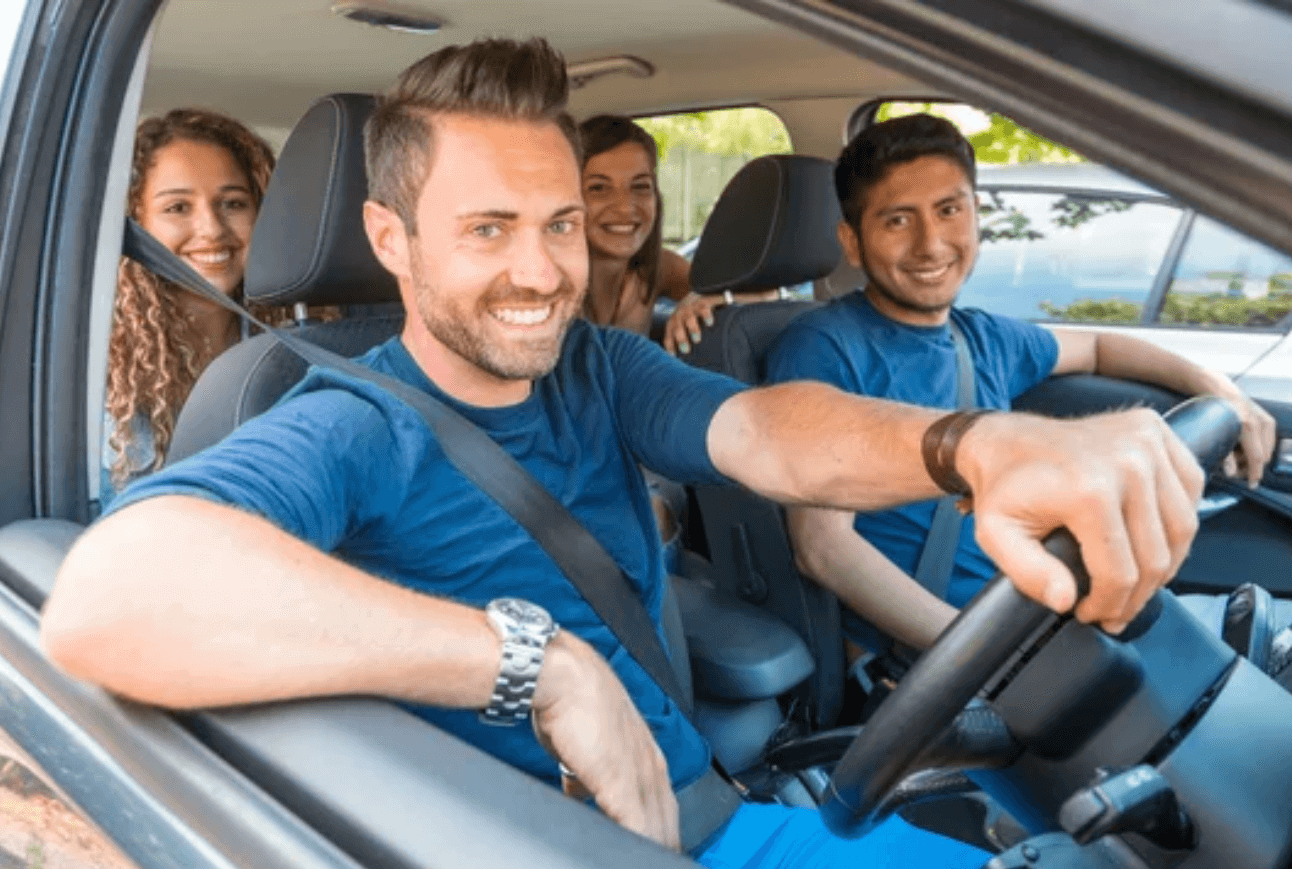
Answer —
153 353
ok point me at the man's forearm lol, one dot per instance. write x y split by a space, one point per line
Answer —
1124 356
811 444
183 603
831 552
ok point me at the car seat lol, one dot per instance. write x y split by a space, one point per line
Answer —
308 248
774 225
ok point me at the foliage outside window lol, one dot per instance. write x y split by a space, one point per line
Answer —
700 152
995 138
1226 279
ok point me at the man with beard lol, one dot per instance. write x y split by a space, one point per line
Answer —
910 221
328 547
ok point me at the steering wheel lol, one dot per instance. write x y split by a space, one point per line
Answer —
990 629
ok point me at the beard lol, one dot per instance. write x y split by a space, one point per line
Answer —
901 300
463 327
906 303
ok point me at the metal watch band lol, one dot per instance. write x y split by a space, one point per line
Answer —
525 630
513 690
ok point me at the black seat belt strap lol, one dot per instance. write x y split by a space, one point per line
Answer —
578 554
938 557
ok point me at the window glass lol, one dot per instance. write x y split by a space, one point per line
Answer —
38 828
1226 279
10 17
1065 256
699 153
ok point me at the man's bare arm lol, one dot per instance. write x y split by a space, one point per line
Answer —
811 444
1117 355
1122 483
829 550
183 603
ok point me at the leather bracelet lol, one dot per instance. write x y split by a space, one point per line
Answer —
939 449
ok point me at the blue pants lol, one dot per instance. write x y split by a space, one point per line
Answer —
762 836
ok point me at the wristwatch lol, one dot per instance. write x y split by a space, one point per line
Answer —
525 629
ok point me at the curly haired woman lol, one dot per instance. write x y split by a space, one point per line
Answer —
196 182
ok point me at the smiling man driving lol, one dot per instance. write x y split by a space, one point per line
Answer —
906 188
328 547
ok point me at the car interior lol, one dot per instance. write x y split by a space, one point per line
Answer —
1052 745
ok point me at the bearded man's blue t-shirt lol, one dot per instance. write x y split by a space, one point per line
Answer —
345 466
849 344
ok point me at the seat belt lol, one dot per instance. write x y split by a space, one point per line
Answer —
578 554
938 557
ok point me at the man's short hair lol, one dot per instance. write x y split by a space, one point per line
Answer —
872 152
490 78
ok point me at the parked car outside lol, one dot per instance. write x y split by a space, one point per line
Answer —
1078 243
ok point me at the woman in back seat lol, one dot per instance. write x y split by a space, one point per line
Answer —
629 268
196 182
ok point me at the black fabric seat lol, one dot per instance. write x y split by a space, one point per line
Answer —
308 248
774 225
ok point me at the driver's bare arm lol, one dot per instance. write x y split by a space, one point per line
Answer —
829 550
1122 483
184 603
1116 355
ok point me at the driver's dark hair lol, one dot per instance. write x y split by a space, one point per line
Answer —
489 78
876 149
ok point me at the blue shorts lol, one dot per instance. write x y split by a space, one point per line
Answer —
761 836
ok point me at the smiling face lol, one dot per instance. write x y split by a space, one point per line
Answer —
917 239
197 201
619 189
498 265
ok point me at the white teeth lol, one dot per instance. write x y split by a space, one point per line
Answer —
621 228
523 316
930 274
211 259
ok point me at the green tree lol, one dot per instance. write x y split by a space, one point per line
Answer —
1003 141
747 132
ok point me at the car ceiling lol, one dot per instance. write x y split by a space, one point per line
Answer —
265 61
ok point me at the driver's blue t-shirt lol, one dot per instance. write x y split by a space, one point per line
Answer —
851 345
345 466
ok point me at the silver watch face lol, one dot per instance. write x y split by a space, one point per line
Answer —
524 616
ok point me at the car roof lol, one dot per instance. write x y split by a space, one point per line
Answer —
1089 177
265 62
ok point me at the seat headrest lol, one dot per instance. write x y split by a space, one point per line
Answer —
309 244
773 226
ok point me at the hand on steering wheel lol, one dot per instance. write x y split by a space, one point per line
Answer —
981 639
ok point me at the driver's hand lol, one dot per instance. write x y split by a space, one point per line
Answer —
584 717
1256 446
1123 484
